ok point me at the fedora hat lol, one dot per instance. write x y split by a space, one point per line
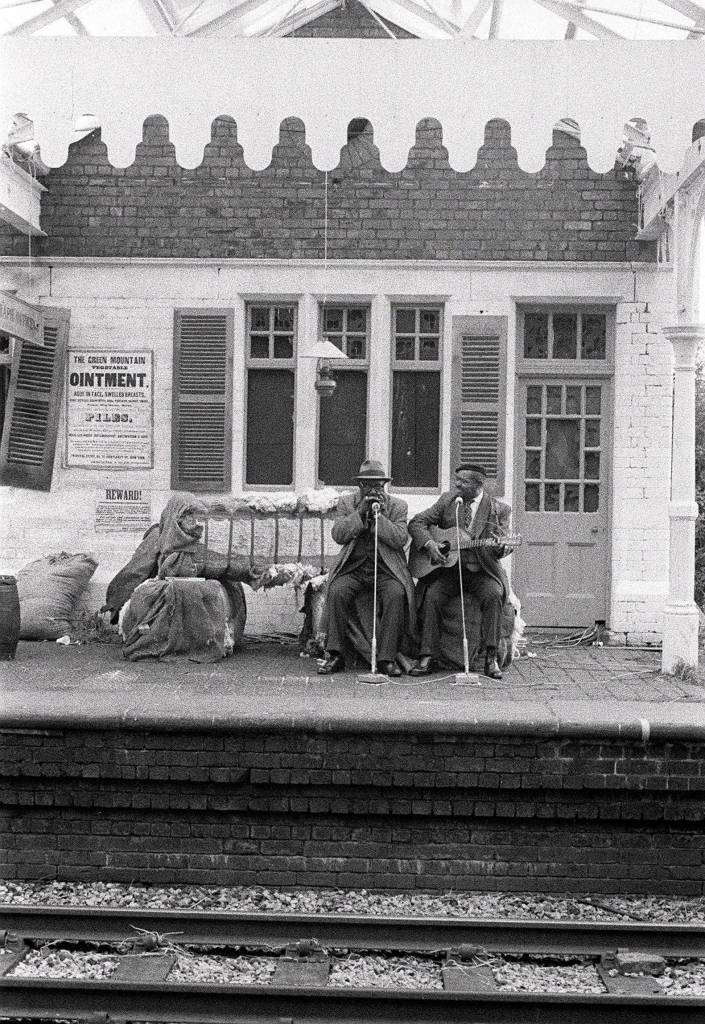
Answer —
372 469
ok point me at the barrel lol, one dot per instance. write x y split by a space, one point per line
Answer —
9 617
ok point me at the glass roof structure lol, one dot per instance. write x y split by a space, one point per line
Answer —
423 19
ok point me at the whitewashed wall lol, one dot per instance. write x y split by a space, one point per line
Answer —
128 306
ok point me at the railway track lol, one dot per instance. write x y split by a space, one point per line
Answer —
140 991
355 931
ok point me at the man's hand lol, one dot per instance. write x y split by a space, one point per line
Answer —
435 553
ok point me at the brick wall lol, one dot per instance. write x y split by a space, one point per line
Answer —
397 811
222 208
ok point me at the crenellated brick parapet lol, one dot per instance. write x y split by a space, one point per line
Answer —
428 210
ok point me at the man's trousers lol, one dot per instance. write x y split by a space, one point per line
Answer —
445 586
391 600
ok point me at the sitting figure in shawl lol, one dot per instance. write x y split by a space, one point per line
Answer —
177 597
347 617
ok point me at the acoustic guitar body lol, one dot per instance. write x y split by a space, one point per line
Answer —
420 564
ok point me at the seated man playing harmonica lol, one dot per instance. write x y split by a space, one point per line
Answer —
481 518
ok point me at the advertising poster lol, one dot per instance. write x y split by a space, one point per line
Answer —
109 412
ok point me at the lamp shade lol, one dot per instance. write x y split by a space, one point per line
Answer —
323 350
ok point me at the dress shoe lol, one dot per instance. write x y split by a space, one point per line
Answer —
424 667
390 668
492 669
333 663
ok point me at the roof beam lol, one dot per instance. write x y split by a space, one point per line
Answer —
473 20
294 21
61 9
229 20
423 14
575 14
76 24
647 18
159 15
496 18
689 10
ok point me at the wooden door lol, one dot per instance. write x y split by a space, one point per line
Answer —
561 502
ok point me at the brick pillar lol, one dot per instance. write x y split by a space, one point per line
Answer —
680 616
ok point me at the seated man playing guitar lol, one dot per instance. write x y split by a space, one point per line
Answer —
483 524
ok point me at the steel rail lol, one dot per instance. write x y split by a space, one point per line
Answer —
231 1004
353 931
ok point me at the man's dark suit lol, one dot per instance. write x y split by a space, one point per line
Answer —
488 582
353 572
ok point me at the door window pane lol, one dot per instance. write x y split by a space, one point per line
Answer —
283 346
592 433
552 498
573 401
533 433
532 497
405 321
591 499
357 320
594 336
565 335
536 336
259 346
571 498
533 465
404 348
593 400
356 347
429 348
562 449
533 399
592 465
283 318
332 319
553 400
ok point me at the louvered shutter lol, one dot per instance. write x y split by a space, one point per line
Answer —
479 392
33 407
202 401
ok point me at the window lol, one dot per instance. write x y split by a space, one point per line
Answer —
271 381
342 424
576 335
416 394
202 400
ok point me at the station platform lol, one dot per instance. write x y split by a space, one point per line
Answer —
582 770
553 689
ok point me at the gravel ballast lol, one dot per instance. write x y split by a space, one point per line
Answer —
64 963
356 901
230 970
512 976
370 970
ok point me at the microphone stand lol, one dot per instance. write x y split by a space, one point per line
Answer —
467 676
374 676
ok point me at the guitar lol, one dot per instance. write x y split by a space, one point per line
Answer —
420 563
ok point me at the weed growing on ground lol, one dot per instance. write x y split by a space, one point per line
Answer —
685 672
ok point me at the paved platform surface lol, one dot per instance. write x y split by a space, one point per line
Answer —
268 685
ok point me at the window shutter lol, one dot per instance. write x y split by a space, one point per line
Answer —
202 401
479 393
33 407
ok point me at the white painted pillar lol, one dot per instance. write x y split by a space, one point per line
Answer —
680 617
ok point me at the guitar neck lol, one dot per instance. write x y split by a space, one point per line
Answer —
511 540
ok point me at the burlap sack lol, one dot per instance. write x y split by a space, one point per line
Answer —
49 590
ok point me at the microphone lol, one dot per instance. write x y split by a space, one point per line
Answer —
459 500
375 507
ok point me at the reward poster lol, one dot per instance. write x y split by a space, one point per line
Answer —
109 420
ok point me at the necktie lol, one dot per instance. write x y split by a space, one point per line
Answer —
468 515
